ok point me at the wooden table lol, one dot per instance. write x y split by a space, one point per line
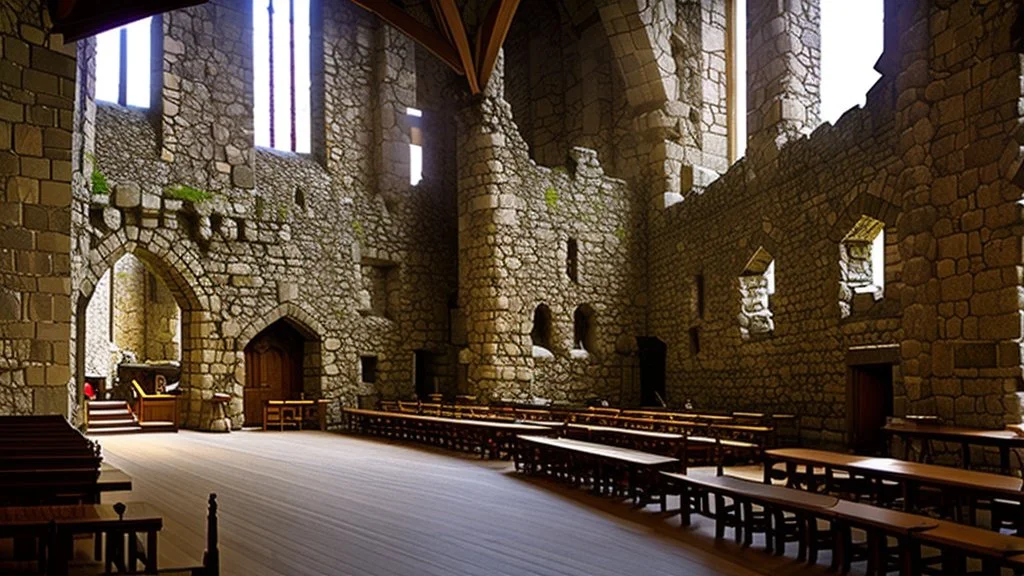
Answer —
491 437
971 485
294 413
1004 440
61 523
600 465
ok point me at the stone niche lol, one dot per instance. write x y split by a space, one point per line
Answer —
380 288
756 285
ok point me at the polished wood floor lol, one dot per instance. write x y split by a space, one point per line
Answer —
297 503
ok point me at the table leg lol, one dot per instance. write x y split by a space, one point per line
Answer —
1004 459
965 451
151 551
684 505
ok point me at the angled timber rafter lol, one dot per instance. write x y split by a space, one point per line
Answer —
452 19
450 42
437 45
491 36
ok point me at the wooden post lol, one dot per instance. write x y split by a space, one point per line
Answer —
211 559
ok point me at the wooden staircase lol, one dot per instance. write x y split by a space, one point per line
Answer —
116 417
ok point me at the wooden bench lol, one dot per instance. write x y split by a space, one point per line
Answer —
489 438
606 469
957 487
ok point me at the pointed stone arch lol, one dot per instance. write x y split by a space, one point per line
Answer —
299 320
294 314
182 273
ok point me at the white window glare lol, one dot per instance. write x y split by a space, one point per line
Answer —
851 42
133 40
282 112
878 260
415 164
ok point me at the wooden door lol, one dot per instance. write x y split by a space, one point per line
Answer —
869 404
423 374
273 369
651 352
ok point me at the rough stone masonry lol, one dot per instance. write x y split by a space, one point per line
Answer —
592 179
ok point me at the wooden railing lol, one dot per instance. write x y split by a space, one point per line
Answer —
155 407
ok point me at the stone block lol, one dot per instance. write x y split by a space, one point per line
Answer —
127 195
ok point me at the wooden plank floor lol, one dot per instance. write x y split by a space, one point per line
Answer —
297 503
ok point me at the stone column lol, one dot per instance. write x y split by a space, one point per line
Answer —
498 364
783 74
36 122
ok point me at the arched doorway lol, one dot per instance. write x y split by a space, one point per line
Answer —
273 369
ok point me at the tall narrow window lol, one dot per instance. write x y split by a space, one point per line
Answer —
737 79
757 285
281 74
862 265
572 263
123 64
415 146
698 295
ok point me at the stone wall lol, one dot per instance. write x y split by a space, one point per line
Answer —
515 223
37 103
294 237
914 159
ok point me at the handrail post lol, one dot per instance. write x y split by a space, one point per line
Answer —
211 559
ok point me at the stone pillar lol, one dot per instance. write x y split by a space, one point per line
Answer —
37 101
497 357
783 74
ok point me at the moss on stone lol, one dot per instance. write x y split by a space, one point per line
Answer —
189 193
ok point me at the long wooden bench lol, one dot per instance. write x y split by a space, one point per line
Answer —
489 438
751 507
871 478
606 469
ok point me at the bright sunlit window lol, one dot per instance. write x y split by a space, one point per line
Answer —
281 74
415 148
737 99
124 81
851 42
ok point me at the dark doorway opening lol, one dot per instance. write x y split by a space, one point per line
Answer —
651 352
273 369
869 404
423 374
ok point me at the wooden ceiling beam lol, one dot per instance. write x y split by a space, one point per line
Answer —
419 32
453 21
491 36
77 19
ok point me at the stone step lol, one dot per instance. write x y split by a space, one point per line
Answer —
110 414
112 423
120 430
104 404
158 426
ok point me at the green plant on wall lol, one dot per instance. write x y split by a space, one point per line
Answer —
98 180
551 197
282 213
357 229
189 193
260 204
620 233
99 183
